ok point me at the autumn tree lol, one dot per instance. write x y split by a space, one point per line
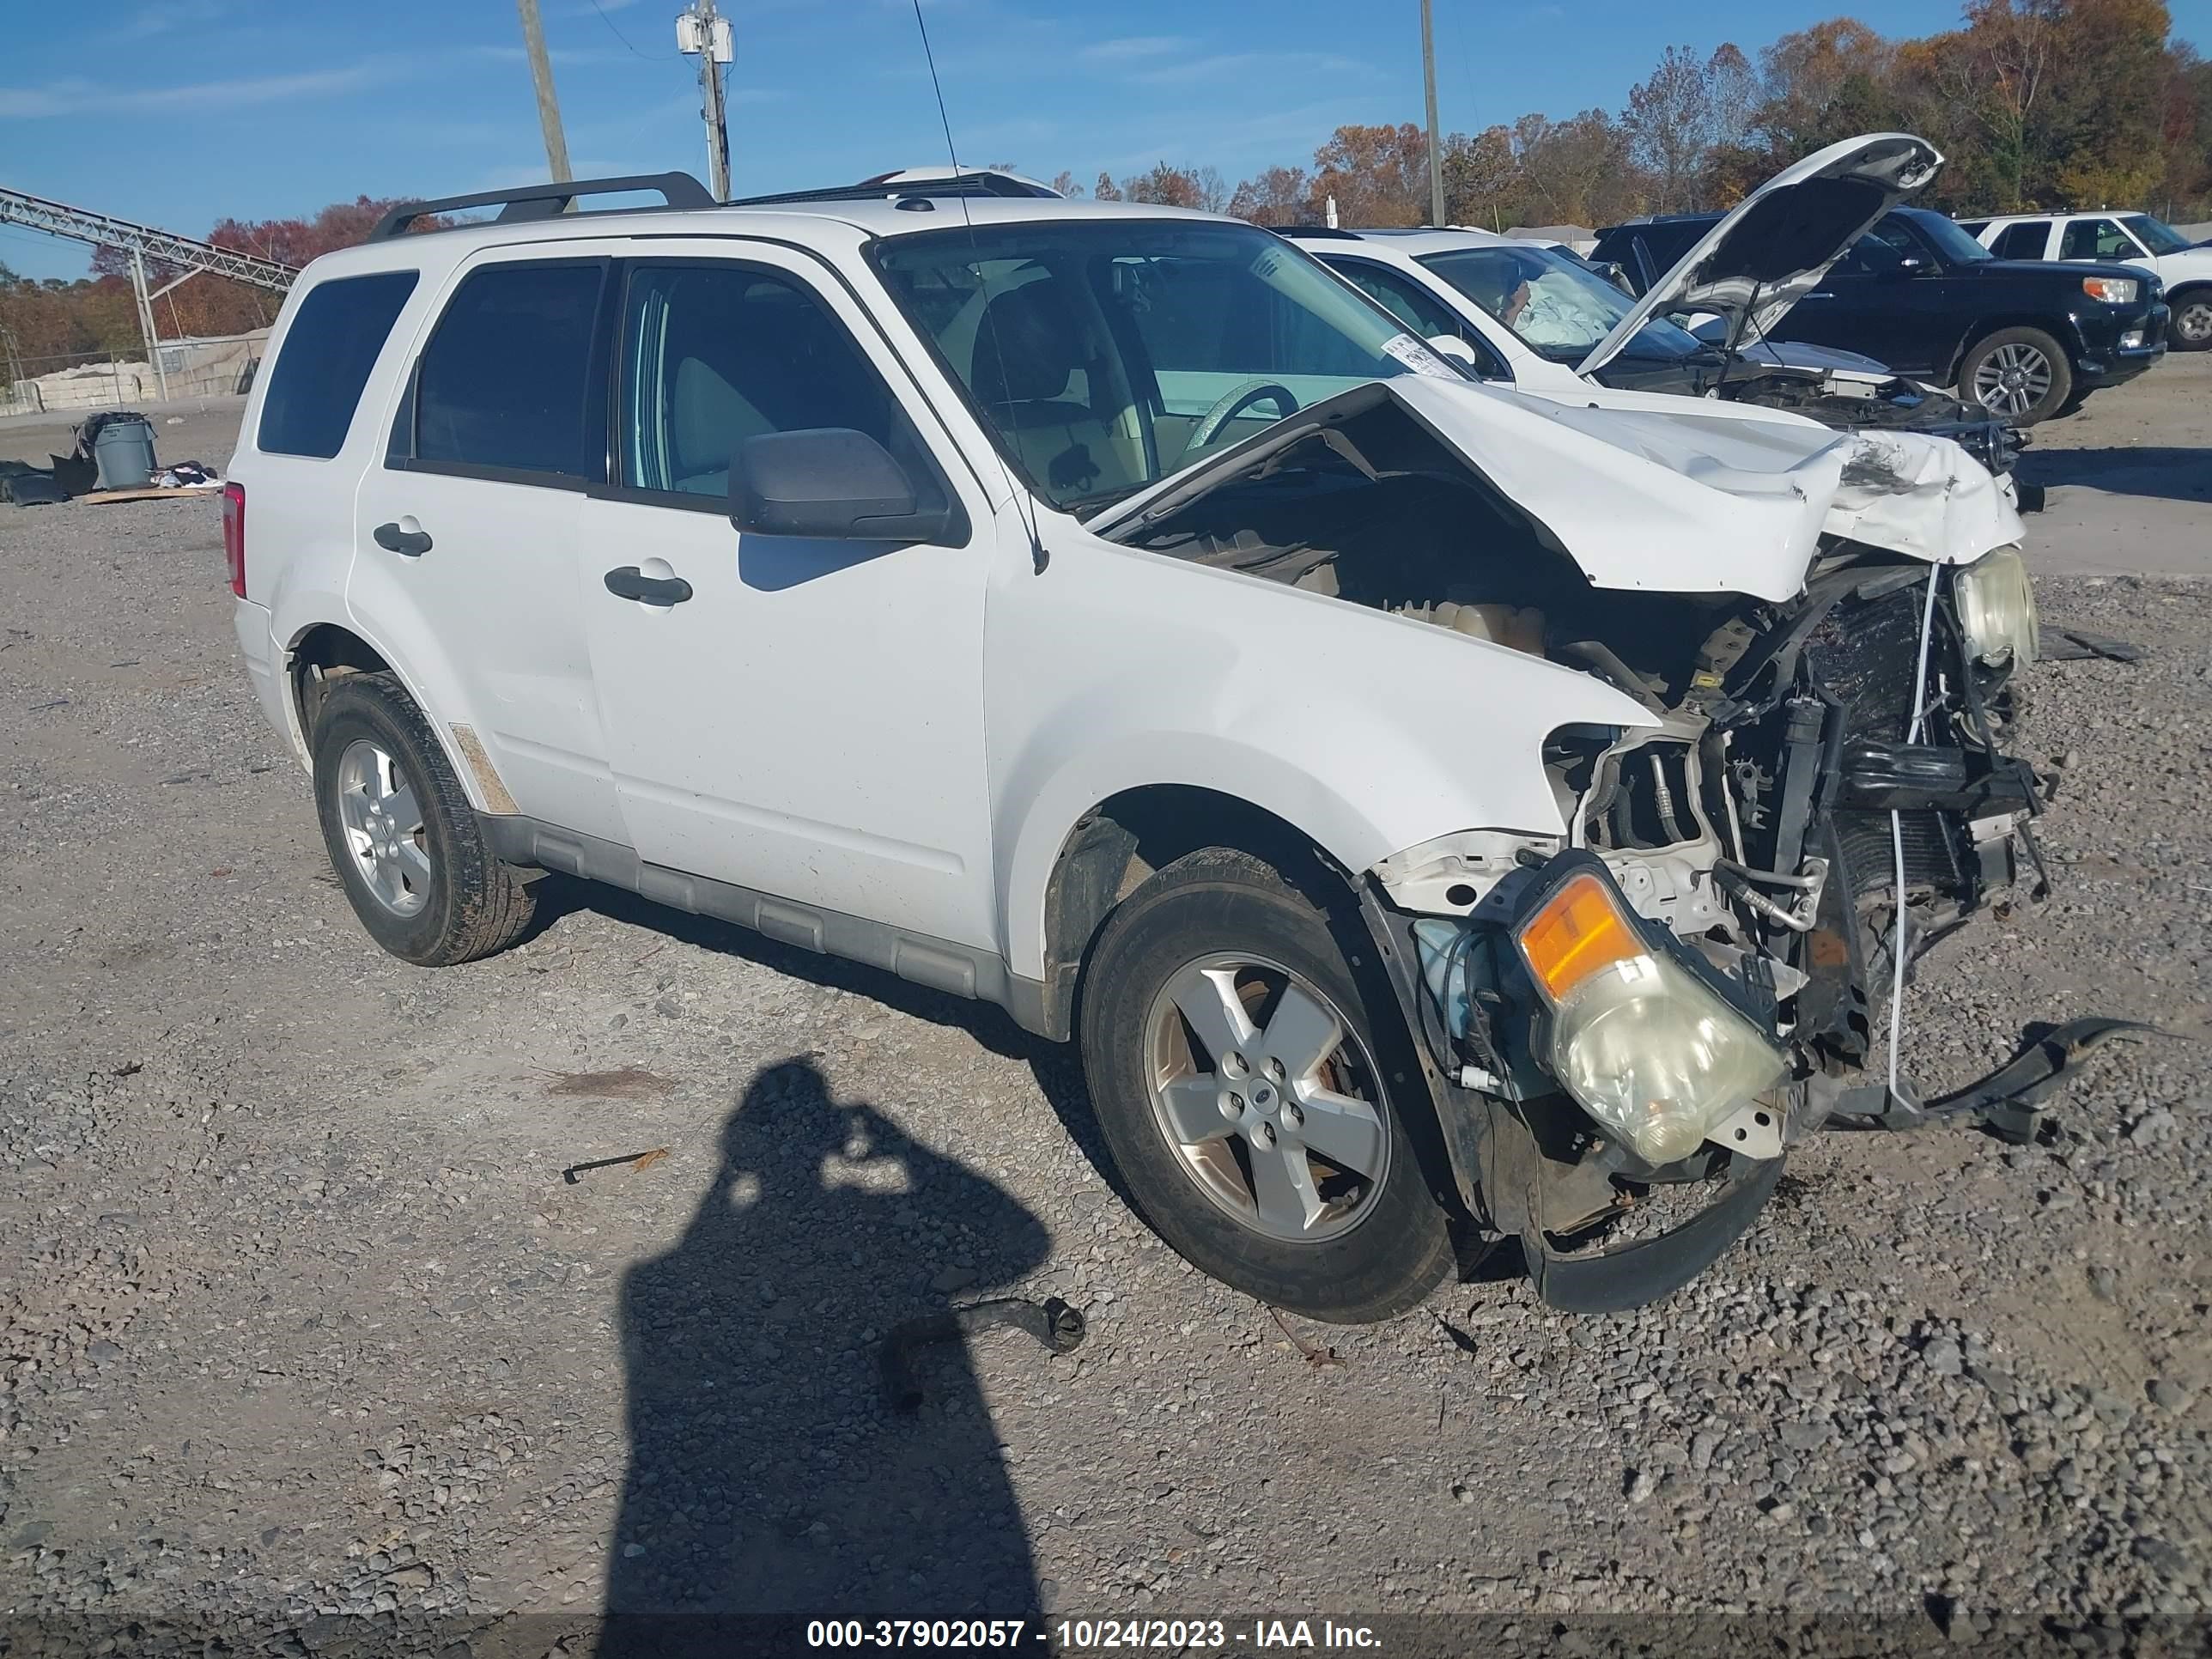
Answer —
1481 175
1378 174
1276 196
1689 107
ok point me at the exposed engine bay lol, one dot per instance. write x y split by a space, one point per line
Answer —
1806 760
1852 401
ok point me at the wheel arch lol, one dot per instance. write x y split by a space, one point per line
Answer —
1120 841
323 650
2060 329
2195 289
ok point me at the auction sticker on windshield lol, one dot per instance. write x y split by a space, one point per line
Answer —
1419 357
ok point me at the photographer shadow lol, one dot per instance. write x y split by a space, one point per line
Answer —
768 1481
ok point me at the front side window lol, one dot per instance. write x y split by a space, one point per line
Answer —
715 353
1952 246
505 383
1106 354
1560 307
2026 241
1418 309
1882 248
328 349
2097 239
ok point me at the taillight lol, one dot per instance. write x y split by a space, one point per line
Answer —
233 535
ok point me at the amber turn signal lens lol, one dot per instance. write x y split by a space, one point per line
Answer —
1579 931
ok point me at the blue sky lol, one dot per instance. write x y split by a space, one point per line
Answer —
182 113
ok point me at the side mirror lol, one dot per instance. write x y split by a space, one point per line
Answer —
832 484
1616 273
1451 346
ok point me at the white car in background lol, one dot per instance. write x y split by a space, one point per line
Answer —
1541 319
2134 239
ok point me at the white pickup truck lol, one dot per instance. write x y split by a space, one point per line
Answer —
1426 803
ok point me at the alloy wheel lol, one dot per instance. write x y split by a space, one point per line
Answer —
1268 1097
384 831
2011 379
2193 324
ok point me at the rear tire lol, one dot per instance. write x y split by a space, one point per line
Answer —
2190 326
2019 374
401 833
1309 1192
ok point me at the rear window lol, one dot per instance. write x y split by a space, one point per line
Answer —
2025 241
328 352
503 384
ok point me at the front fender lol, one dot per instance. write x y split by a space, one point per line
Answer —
1367 731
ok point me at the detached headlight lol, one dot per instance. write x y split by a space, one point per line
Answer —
2113 290
1649 1050
1997 609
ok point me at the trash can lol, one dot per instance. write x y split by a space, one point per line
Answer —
123 450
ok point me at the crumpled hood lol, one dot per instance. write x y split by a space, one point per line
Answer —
1664 494
1778 243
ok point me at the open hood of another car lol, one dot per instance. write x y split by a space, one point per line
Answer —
1655 491
1778 243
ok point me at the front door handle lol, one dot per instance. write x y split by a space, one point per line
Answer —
629 582
407 544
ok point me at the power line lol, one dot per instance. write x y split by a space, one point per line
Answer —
619 35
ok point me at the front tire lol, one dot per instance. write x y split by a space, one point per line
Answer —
2019 374
1237 1079
2190 327
402 835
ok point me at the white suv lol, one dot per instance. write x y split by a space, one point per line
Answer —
2134 239
1420 800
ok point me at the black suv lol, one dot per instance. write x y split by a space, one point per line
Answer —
2026 339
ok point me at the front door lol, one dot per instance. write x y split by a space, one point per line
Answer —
1885 297
464 535
807 723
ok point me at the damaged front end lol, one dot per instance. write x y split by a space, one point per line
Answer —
1629 1018
1647 1012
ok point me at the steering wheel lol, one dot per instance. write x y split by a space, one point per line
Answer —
1227 407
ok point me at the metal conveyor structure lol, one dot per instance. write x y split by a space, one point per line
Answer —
142 243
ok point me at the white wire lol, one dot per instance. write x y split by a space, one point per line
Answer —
1897 836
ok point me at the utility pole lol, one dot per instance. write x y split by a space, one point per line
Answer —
549 107
703 33
1429 84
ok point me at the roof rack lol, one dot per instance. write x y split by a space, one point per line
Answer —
677 190
1327 233
978 183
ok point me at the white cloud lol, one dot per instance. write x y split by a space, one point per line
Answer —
78 96
1134 47
1246 67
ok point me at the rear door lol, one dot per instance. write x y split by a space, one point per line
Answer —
2024 238
465 532
808 723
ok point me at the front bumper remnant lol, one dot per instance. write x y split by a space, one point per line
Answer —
2009 1101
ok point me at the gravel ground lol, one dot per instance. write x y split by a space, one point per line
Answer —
309 1328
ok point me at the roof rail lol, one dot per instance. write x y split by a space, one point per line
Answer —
676 190
978 183
1327 233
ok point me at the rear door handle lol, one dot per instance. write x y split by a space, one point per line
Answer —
629 582
407 544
